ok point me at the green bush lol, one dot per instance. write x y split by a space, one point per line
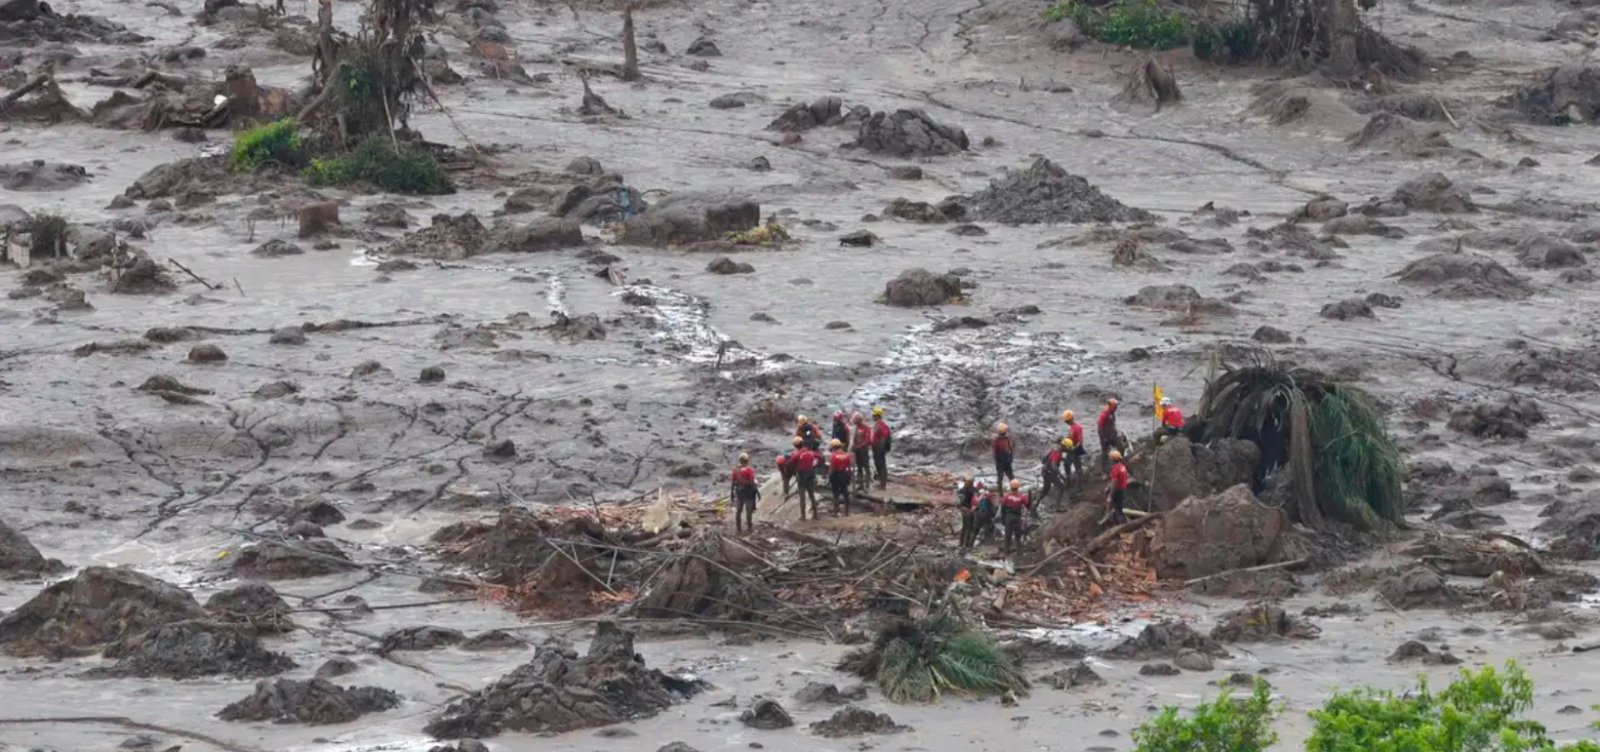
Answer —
1140 24
1478 712
47 234
1224 43
277 142
377 161
1222 725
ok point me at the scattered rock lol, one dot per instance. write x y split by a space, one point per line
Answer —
419 638
1347 309
676 221
1047 194
97 606
909 133
766 715
1165 639
314 702
195 648
1411 650
1208 535
703 47
431 375
1194 660
759 164
1418 587
1158 669
1382 300
1465 275
1076 675
817 693
277 561
920 287
206 353
1271 335
1508 418
854 721
275 248
1179 299
369 368
1323 209
586 166
1435 193
858 239
1261 622
824 111
725 265
254 605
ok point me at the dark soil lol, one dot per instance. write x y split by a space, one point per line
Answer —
314 702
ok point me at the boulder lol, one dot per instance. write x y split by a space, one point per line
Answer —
688 221
920 287
1271 335
1347 309
1568 94
1209 535
206 353
909 133
254 605
1194 660
853 721
725 265
191 649
1261 622
18 556
280 561
536 236
1418 587
314 702
1435 193
823 111
766 715
96 607
1465 275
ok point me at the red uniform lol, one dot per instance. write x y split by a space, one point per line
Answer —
1107 418
1053 459
744 476
1172 417
1002 444
863 437
839 461
1014 500
1076 434
804 460
880 433
1119 477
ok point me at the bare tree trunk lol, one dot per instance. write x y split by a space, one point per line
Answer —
1342 24
630 50
326 58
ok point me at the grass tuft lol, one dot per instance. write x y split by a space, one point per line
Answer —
376 161
277 143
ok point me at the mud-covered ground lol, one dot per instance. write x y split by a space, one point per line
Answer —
97 472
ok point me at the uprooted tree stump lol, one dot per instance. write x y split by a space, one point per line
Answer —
1151 83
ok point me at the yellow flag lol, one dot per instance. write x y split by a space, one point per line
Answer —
1160 411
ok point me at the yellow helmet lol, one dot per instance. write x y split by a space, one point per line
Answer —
967 477
1067 444
795 441
1002 428
802 420
877 412
836 443
1067 416
744 459
1115 456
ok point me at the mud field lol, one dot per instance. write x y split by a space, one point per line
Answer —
1422 237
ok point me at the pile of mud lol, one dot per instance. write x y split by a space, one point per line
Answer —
559 691
1569 94
1210 535
687 220
1165 639
1262 622
1465 276
19 558
920 287
1046 193
909 133
314 702
189 649
97 607
26 23
254 605
853 721
284 561
1401 135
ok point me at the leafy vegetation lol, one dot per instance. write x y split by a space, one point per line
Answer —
379 162
1357 460
1231 42
277 143
1478 712
920 662
1222 725
47 234
1141 24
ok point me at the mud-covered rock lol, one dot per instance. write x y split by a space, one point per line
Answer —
447 238
289 336
1158 669
277 247
1271 335
1045 193
818 693
1540 251
1387 131
1261 622
766 715
858 239
1434 192
143 276
1347 309
335 667
314 702
1194 660
1079 674
1414 651
387 214
909 133
96 607
19 557
189 649
255 605
1574 526
854 721
537 236
1165 639
920 287
823 111
1418 587
1563 95
420 638
1208 535
725 265
1179 298
493 639
1465 275
558 691
1509 417
703 47
282 561
919 211
41 176
676 221
206 353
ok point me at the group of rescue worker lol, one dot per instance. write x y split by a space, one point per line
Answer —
857 456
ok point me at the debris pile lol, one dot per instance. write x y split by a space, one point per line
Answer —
189 649
255 605
1465 275
100 605
909 133
853 721
1261 622
314 702
1206 536
1047 194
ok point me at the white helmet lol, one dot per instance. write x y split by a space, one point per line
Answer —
1166 402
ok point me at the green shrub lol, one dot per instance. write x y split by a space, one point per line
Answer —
920 662
1222 725
1478 712
376 161
1224 43
1140 24
47 234
277 142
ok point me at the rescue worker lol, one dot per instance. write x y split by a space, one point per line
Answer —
805 462
1003 454
808 432
1117 487
1110 437
786 466
861 445
841 430
1171 419
745 493
882 441
1011 508
839 476
1054 478
967 505
1075 433
983 519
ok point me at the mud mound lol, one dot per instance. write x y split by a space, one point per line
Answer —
254 605
1433 483
1575 526
909 133
1465 275
18 557
1205 536
766 715
39 175
920 287
1178 299
142 276
1165 639
686 220
1294 240
1046 193
1077 675
204 174
281 561
1414 651
1245 585
1182 469
1434 192
447 238
1347 310
854 721
817 693
315 702
1261 622
823 111
420 638
558 691
1510 417
188 649
1418 587
539 235
1540 251
1559 96
94 608
1398 134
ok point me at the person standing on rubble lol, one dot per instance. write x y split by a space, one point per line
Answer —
745 494
786 466
966 504
809 433
1004 452
1054 478
806 461
861 445
1011 508
841 430
1075 456
839 476
1171 419
1110 437
1117 488
983 519
882 441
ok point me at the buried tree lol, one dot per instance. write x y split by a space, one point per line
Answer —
1328 436
920 661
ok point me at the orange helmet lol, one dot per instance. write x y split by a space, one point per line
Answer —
1002 428
1112 402
1067 416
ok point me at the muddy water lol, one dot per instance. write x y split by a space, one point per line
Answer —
169 489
